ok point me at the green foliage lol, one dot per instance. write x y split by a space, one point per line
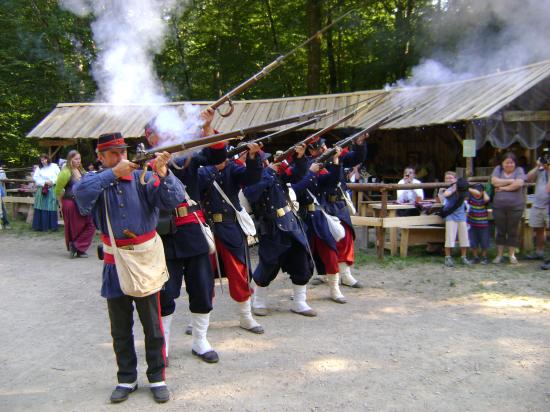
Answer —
211 47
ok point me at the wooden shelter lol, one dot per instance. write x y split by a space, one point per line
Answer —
499 109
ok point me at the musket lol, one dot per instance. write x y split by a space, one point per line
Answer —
390 117
317 135
144 155
267 138
266 70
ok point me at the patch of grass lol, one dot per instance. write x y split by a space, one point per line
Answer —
20 228
363 258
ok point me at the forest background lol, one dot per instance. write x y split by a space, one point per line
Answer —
210 46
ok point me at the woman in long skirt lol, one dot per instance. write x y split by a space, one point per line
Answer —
45 202
79 230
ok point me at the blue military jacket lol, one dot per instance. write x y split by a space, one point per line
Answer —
230 179
328 186
188 240
270 194
132 206
336 187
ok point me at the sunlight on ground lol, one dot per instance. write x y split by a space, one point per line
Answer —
330 365
401 310
241 345
496 300
22 391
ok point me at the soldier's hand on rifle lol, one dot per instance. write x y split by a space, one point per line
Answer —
361 139
161 161
207 116
124 168
315 167
253 148
300 150
336 157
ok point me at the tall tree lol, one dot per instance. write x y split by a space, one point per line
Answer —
313 13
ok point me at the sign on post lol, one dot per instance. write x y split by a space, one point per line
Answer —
469 148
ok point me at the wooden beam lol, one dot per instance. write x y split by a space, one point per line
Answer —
29 200
526 115
412 221
56 142
366 221
458 137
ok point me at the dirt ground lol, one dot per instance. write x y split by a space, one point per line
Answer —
418 337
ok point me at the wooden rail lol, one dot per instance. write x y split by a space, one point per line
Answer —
382 222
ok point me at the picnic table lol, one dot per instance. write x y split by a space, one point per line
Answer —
415 230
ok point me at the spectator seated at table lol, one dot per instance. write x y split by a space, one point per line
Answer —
409 196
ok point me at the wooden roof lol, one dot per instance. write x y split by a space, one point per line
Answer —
466 100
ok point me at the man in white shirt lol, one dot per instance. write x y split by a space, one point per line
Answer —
409 196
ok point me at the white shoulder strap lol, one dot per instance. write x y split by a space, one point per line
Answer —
111 235
222 193
190 201
313 196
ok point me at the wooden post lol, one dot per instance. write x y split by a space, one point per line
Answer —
380 231
469 167
469 160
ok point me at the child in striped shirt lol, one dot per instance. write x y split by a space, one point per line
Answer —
478 219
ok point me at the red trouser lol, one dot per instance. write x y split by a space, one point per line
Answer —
330 258
236 273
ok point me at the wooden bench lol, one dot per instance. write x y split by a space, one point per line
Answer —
420 235
20 204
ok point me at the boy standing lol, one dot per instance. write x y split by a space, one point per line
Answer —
455 221
478 219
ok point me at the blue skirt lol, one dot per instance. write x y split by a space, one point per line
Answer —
44 220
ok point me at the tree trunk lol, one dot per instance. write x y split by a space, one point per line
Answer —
333 79
313 11
187 91
283 79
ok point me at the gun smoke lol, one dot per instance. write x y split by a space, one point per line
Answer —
495 35
128 34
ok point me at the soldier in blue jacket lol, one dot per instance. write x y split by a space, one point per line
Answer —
231 243
334 203
186 249
283 242
332 257
133 212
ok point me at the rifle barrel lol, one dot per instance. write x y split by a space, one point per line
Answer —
270 67
390 117
313 137
220 137
271 136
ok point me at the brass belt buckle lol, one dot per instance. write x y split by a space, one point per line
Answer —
311 207
280 212
217 217
181 211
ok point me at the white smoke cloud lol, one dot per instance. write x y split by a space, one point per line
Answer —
173 127
128 34
497 35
